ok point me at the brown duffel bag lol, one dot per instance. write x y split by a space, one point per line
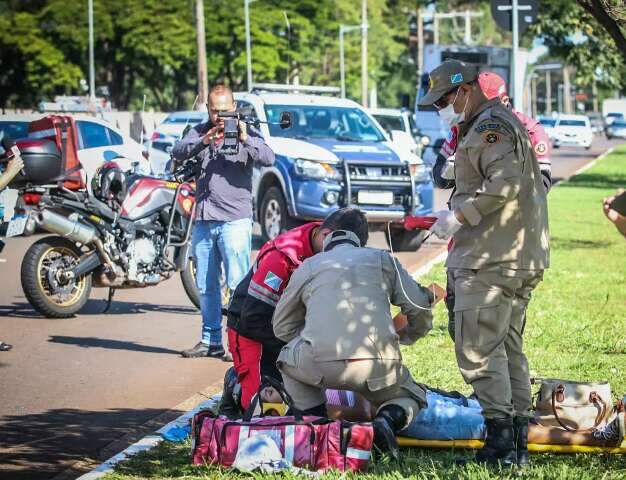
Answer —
573 406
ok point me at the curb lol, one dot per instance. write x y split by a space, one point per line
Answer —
148 442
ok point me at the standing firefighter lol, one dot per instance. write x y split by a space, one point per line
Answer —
499 221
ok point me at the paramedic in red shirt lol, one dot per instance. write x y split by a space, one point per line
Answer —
251 339
493 86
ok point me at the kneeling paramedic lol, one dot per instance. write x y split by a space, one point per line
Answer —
251 339
335 317
499 222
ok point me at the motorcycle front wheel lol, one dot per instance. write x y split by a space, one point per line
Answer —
43 281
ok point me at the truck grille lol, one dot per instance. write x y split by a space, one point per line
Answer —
373 173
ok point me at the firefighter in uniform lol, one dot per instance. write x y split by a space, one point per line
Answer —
499 222
335 318
493 86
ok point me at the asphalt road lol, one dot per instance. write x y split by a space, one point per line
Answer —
74 391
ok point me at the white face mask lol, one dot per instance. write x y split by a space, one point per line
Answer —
450 116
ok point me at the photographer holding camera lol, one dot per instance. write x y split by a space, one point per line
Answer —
223 222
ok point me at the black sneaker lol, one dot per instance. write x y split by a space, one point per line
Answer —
204 350
385 438
5 347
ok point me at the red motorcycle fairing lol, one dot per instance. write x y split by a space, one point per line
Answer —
147 195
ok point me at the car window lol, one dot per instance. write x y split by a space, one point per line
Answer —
548 122
619 123
14 130
92 135
192 119
572 123
390 122
322 122
116 138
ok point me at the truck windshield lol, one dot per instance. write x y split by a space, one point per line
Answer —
311 122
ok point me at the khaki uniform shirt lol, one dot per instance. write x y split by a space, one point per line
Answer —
500 192
339 302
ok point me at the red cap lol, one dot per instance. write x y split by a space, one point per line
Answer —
492 85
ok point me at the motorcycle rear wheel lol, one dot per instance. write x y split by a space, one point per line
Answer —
42 284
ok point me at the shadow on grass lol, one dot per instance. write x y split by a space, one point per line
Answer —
596 180
39 446
571 244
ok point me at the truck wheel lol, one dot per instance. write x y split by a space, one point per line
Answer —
43 282
405 241
273 217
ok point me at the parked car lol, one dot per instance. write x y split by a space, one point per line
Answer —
167 134
573 130
612 116
334 155
400 125
617 129
548 124
597 123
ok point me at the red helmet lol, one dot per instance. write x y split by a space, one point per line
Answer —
492 85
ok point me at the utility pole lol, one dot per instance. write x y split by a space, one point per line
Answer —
594 92
203 81
468 28
364 53
533 95
92 68
246 10
343 29
420 46
514 52
567 90
548 93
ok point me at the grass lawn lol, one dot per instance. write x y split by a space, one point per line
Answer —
576 330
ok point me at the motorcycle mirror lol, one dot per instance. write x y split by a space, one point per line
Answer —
285 120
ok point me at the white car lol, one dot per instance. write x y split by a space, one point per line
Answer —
548 124
168 133
610 117
99 142
573 130
401 128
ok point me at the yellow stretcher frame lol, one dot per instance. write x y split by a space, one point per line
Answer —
533 447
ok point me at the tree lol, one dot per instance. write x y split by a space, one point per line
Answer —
31 68
611 14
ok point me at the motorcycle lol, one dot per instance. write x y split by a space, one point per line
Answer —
136 237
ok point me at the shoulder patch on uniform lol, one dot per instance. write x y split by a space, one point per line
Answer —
273 281
488 126
491 137
541 148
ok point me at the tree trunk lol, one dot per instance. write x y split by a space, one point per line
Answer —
597 9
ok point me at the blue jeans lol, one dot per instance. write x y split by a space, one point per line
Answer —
214 243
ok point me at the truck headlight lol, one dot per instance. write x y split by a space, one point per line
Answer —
420 172
316 170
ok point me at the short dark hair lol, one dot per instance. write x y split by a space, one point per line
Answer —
351 219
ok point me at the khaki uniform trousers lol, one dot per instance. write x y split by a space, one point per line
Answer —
490 316
382 382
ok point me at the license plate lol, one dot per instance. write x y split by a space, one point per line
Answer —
17 225
375 198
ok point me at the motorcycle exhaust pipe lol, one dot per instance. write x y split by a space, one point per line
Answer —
71 229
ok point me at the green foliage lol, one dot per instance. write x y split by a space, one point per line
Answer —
31 67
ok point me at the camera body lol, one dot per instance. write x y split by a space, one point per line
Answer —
231 132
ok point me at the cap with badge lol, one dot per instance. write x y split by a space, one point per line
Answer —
447 76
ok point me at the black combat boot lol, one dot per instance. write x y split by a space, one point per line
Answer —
520 425
230 406
204 350
388 422
499 448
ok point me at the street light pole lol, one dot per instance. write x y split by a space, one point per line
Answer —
246 9
516 100
342 61
92 69
364 53
203 81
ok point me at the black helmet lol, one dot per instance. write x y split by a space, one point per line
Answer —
109 183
